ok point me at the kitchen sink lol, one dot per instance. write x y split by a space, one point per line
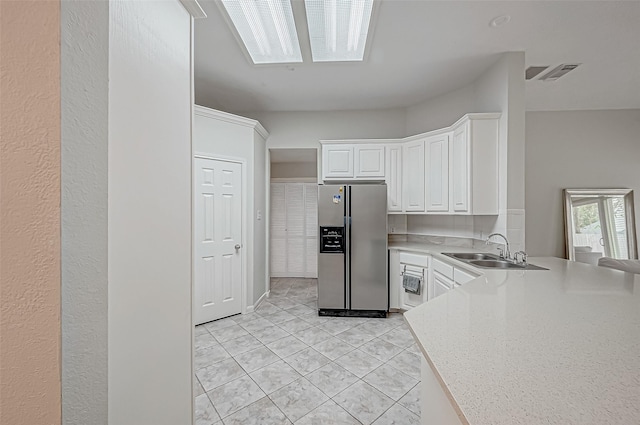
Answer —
472 256
496 264
489 261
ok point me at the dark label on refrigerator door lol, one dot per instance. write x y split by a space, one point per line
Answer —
332 240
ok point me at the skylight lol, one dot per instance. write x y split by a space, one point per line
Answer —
338 29
267 29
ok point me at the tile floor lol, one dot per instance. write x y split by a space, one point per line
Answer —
283 364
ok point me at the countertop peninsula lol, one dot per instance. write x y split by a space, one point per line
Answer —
535 347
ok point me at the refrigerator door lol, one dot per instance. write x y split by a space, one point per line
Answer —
368 247
331 263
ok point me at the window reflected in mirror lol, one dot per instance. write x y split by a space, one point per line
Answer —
599 223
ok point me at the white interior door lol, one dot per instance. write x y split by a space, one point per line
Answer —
218 238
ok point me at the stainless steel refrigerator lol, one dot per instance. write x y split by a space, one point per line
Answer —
352 258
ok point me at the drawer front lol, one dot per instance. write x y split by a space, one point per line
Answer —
461 277
443 268
414 259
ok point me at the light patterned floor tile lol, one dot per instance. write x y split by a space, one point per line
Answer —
331 378
407 363
219 373
333 348
256 359
279 317
390 381
270 334
355 336
241 345
204 340
363 402
205 413
256 325
295 325
328 414
301 310
230 332
399 336
282 302
197 387
358 363
312 336
274 376
287 346
412 400
235 395
200 330
207 356
266 308
306 361
219 324
244 318
298 398
380 349
397 415
262 412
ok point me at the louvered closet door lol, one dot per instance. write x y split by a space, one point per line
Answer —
295 229
278 231
311 227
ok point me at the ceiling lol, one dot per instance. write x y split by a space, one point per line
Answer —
422 49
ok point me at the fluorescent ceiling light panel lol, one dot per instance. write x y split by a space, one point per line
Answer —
338 29
266 28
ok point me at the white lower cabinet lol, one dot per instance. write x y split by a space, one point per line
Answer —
437 277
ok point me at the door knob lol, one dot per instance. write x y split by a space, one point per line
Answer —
237 247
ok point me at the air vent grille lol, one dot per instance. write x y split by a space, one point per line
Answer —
559 71
533 71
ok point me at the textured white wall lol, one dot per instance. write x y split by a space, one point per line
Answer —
260 184
576 149
149 214
84 95
294 170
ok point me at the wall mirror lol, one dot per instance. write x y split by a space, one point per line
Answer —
599 223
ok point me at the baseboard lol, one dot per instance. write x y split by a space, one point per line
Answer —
253 308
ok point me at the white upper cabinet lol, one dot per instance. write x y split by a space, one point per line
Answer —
460 168
394 177
337 161
369 161
447 171
413 176
437 173
346 161
474 165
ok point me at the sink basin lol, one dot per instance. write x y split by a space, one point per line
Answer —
473 256
495 264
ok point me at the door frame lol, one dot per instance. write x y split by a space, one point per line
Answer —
244 223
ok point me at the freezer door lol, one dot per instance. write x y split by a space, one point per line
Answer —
368 247
331 265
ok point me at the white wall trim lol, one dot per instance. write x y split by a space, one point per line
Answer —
194 8
294 180
466 117
254 307
231 118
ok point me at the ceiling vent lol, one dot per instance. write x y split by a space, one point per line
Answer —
533 71
559 71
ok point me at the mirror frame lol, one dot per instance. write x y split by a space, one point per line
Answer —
629 211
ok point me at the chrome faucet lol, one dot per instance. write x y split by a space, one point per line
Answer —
504 253
523 255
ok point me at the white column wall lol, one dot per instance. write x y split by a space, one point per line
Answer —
149 214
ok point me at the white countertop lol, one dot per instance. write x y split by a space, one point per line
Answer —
535 347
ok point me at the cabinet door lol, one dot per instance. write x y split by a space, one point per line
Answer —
441 285
437 169
394 177
460 168
369 161
337 161
413 176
